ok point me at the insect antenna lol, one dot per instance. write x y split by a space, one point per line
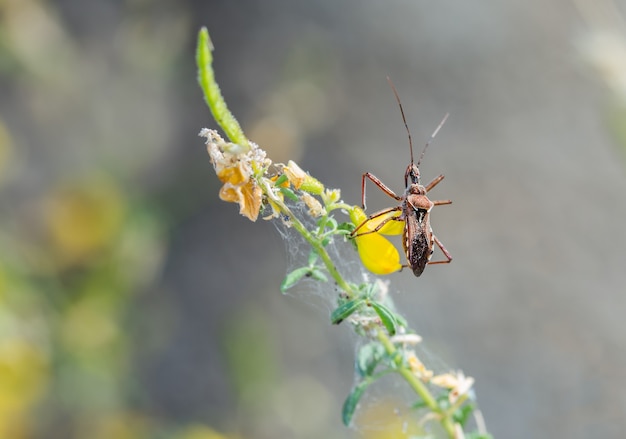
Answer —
432 137
404 118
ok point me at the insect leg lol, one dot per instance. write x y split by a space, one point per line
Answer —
376 215
440 202
378 183
433 183
444 251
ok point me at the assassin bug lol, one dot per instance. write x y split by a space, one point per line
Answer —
418 239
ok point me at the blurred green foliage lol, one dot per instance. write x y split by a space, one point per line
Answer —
79 239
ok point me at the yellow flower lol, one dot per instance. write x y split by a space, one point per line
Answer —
236 166
377 253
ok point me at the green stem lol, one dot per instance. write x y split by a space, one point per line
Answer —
416 384
212 93
312 240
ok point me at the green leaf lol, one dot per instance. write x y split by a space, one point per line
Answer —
331 223
313 256
463 413
349 406
288 193
317 274
368 358
386 316
280 180
293 278
345 310
347 227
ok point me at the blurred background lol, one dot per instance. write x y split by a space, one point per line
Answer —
135 304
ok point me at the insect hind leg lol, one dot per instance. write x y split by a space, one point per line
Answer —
445 252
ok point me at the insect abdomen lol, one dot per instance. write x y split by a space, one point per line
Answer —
416 242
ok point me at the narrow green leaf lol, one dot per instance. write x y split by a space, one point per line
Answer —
349 406
317 274
345 310
293 278
313 256
386 317
212 94
289 193
280 180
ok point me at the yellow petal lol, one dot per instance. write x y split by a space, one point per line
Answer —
378 254
295 174
234 175
446 380
315 207
357 216
248 196
251 202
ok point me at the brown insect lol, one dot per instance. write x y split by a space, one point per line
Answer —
418 238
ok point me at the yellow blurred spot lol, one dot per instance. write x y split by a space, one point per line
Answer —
23 379
118 426
89 325
201 432
6 148
82 219
385 420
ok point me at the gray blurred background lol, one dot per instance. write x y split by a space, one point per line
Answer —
135 304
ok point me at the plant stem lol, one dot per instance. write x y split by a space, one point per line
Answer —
312 240
416 384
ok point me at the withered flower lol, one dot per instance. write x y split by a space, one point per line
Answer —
238 167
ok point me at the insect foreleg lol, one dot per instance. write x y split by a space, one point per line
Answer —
378 183
383 222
